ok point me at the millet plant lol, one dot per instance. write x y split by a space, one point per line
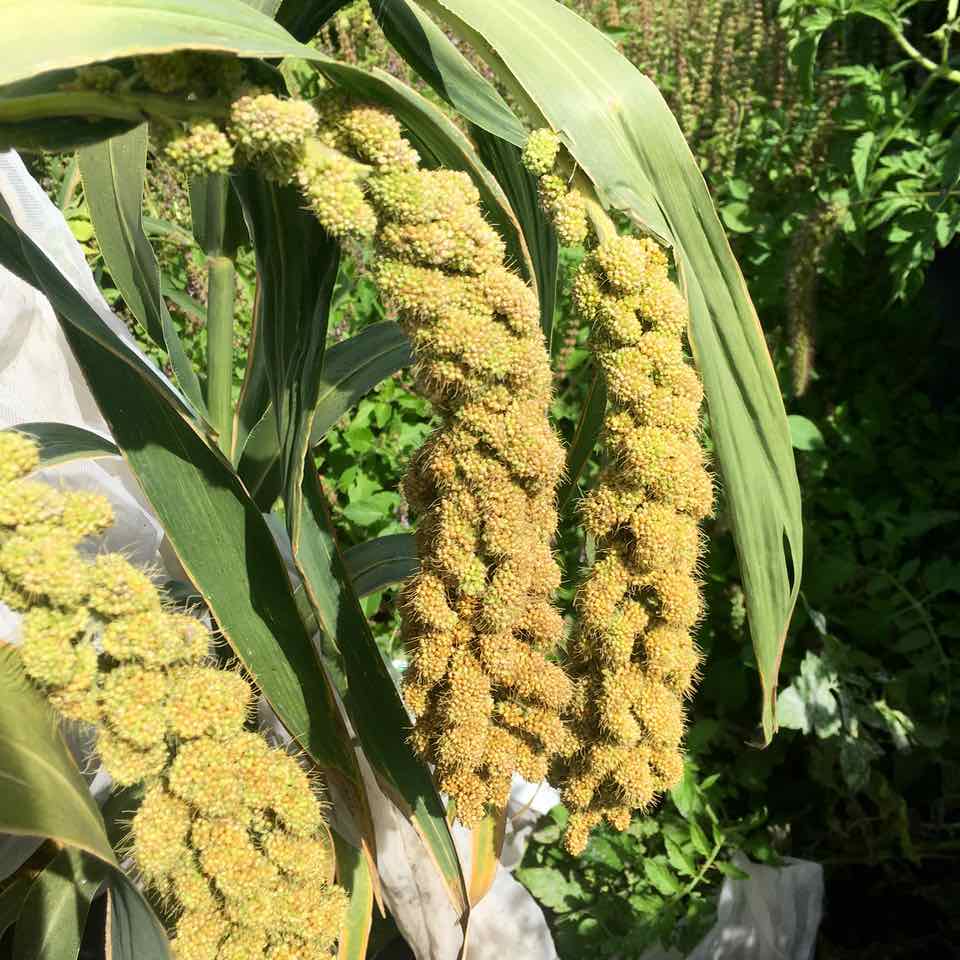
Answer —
457 211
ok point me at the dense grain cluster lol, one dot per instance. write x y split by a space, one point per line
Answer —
230 834
633 655
478 616
565 207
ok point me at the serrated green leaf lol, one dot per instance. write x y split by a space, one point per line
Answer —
860 157
699 839
729 870
679 859
660 875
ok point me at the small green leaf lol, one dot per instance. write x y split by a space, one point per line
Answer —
860 157
679 858
729 870
804 433
699 839
660 875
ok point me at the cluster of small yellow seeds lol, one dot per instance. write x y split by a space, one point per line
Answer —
565 207
203 148
230 833
478 616
633 656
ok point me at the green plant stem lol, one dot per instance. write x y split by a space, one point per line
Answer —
221 293
695 882
936 69
134 107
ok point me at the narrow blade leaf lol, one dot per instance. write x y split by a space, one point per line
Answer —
113 177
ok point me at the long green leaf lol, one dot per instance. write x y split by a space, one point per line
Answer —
373 701
622 134
355 366
41 791
134 932
113 177
11 899
43 35
54 913
353 874
381 562
584 440
297 265
63 442
304 18
429 51
42 794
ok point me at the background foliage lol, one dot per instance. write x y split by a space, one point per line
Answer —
834 156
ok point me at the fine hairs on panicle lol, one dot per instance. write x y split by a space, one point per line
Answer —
633 655
230 834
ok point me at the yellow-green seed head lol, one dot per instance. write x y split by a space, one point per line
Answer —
44 563
206 702
24 504
86 514
128 765
119 589
19 455
201 150
309 859
540 151
48 653
199 935
132 701
159 834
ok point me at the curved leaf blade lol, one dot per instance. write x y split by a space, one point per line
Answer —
91 31
429 51
54 912
353 367
353 874
622 134
381 562
63 442
41 791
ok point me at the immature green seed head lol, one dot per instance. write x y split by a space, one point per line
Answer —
86 514
330 185
44 563
166 73
24 504
202 149
540 151
48 653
